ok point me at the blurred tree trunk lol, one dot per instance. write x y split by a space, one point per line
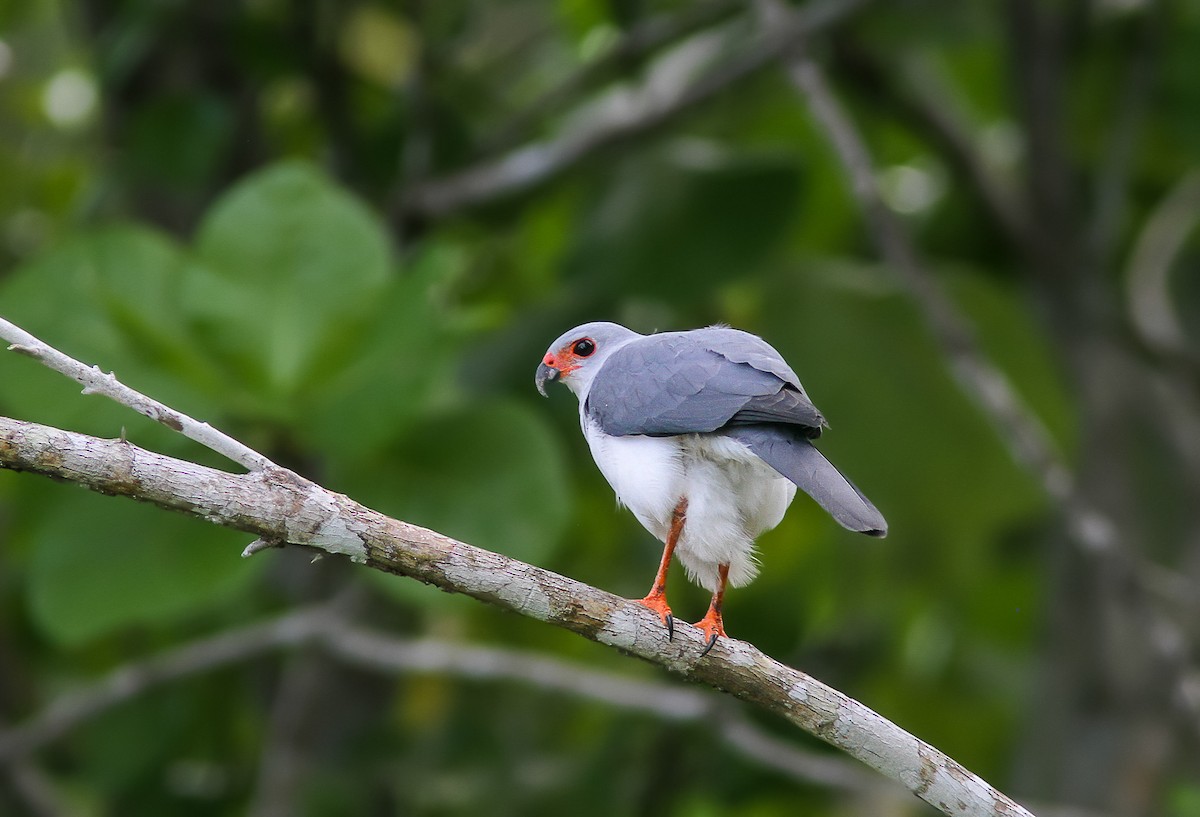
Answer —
1103 732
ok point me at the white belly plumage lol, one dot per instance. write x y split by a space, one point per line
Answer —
732 495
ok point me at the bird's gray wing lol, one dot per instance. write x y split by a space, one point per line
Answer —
721 379
798 460
694 382
742 347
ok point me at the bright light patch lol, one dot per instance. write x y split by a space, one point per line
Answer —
379 45
909 189
69 98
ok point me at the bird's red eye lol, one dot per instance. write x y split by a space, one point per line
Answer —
584 347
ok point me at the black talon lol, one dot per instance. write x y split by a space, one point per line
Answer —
670 622
712 641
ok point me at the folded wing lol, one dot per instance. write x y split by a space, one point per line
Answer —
798 460
724 380
696 382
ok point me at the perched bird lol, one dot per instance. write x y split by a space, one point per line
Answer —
705 436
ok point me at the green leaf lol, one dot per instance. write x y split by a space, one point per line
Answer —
100 564
1184 800
295 265
401 362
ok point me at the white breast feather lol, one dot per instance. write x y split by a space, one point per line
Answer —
645 472
733 496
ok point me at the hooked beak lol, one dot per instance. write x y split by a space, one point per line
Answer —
545 373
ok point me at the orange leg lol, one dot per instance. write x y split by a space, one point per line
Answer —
656 599
712 625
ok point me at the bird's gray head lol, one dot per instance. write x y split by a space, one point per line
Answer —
576 356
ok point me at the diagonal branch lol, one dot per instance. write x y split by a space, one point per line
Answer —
131 680
1153 314
1091 528
33 788
95 381
656 101
323 627
278 505
930 116
632 47
978 376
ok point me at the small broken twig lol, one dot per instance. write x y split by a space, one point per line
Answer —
95 381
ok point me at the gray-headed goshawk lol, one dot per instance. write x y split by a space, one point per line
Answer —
705 436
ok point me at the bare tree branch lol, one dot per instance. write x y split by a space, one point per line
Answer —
1163 236
34 789
634 45
95 381
276 504
132 680
382 653
1112 182
1035 35
657 100
979 378
919 103
1090 527
323 628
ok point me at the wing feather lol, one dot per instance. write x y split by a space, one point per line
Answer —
797 459
696 382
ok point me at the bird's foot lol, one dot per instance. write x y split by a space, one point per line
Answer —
713 628
657 602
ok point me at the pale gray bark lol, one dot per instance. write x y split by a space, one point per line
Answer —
281 507
278 505
338 637
95 381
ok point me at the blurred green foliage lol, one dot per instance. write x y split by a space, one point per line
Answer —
208 200
343 360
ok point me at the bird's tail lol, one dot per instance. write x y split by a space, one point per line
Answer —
798 460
